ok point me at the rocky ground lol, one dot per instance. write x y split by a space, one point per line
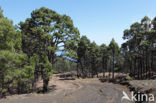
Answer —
144 85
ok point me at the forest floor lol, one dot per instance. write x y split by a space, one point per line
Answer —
73 91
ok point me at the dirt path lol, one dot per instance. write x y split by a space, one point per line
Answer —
74 91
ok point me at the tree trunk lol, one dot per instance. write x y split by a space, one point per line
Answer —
45 84
113 66
77 67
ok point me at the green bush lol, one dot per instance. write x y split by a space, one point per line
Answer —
128 78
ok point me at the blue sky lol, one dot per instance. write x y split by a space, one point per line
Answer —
100 20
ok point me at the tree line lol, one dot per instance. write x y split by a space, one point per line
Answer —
48 42
139 50
93 59
137 56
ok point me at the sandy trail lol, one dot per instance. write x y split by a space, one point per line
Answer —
74 91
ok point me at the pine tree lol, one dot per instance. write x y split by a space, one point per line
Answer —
47 32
